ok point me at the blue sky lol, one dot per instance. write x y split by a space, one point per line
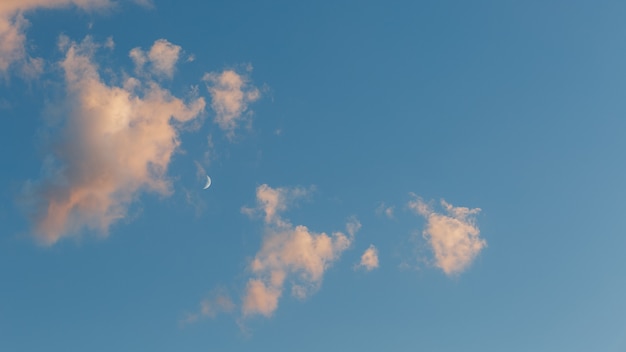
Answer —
406 176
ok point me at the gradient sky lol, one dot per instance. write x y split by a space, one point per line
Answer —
387 176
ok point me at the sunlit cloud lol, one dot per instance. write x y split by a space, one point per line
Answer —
161 59
369 259
272 201
289 253
114 143
231 93
453 237
13 25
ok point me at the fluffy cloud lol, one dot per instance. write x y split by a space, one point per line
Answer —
161 58
231 93
289 252
115 142
369 259
13 26
454 238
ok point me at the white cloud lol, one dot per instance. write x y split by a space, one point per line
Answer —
161 58
369 259
116 142
454 238
231 93
13 26
289 252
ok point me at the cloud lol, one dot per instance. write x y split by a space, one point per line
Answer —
369 259
217 302
161 58
145 3
289 252
386 210
271 201
114 143
210 153
262 298
231 93
109 43
454 238
13 27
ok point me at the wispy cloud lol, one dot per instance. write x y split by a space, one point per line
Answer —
384 209
145 3
272 201
231 93
369 259
454 238
289 251
115 142
217 302
13 26
160 60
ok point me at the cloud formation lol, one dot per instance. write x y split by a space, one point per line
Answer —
454 238
369 259
114 143
289 252
271 201
161 58
231 93
13 26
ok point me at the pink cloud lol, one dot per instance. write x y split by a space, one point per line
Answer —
231 93
261 298
369 259
454 238
162 58
271 201
13 27
289 251
117 141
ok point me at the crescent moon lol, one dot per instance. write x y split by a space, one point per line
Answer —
208 182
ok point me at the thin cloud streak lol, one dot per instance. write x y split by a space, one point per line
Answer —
454 238
117 141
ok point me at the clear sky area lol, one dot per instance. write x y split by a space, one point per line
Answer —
312 176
